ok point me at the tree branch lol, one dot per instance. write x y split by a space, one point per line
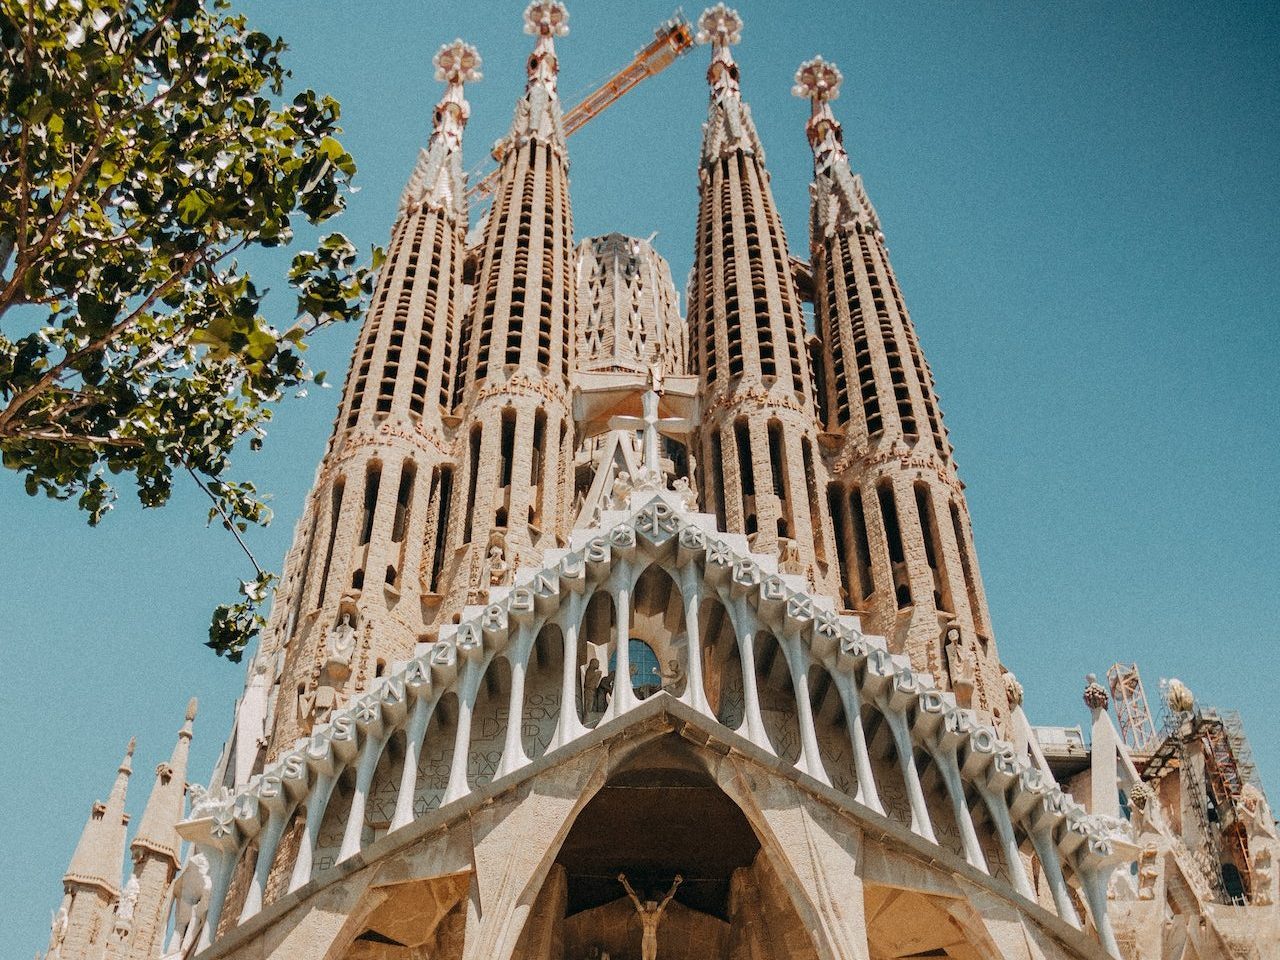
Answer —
226 521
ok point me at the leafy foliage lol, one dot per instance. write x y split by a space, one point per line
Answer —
143 145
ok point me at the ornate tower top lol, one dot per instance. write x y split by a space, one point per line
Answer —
98 855
838 194
437 178
721 27
546 20
818 81
729 127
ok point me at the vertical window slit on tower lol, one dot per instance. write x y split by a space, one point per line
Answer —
444 498
893 539
829 318
966 564
861 346
732 314
536 485
404 497
746 477
835 504
427 325
778 471
472 475
815 508
892 352
508 444
755 268
497 241
933 546
372 480
546 312
716 478
335 512
858 518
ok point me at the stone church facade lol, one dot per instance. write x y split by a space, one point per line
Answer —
611 632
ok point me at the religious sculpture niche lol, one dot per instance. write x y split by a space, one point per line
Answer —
596 689
620 491
191 891
57 933
340 644
688 496
497 564
125 909
650 913
959 668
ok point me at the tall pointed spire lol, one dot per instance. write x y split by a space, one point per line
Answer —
140 927
99 856
761 468
164 806
903 538
438 179
511 500
359 582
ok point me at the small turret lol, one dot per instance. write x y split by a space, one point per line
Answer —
156 848
91 884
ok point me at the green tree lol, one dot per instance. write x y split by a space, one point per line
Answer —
144 145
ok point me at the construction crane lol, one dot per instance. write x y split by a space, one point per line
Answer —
671 41
1137 728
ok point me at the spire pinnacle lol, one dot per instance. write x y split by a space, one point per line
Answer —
164 806
838 196
437 178
818 81
721 27
546 20
100 853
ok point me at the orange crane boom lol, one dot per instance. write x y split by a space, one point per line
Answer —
671 41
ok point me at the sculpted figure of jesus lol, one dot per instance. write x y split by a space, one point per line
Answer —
650 913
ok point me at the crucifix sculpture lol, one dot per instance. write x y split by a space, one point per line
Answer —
650 912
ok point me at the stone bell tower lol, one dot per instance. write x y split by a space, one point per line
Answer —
511 498
903 539
360 582
759 432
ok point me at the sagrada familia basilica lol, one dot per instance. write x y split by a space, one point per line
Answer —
609 632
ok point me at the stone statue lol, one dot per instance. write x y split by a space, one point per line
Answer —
672 677
191 892
959 667
125 909
620 492
650 913
688 498
497 566
341 642
57 933
591 685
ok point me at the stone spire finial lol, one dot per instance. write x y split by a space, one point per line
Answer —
837 191
192 705
437 178
546 20
818 81
1095 694
721 27
729 127
1179 696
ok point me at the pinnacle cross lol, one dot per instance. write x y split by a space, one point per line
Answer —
818 81
721 27
652 425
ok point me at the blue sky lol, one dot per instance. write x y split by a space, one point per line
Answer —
1081 204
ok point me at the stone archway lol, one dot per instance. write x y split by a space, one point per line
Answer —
651 821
